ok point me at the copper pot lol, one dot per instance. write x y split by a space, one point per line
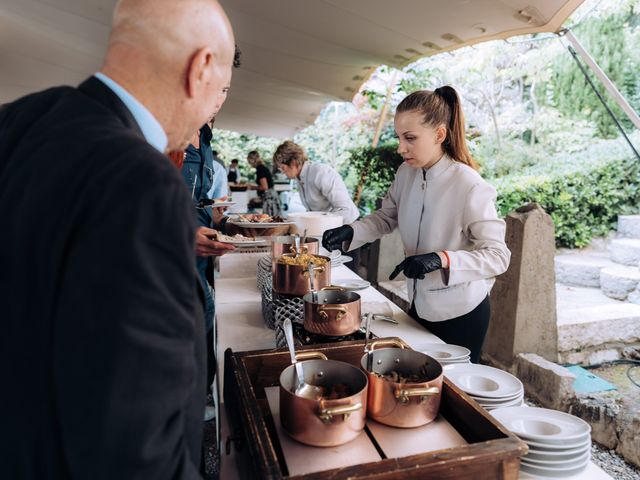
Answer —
285 244
397 404
323 423
294 279
333 312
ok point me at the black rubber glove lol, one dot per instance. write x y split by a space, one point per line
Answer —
417 266
334 239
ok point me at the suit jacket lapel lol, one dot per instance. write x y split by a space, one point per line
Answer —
98 91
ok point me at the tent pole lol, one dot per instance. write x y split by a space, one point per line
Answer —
608 84
376 137
385 109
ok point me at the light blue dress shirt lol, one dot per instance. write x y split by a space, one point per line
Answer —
150 127
219 188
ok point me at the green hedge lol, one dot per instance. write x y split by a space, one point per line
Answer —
584 192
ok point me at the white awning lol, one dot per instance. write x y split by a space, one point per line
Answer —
297 55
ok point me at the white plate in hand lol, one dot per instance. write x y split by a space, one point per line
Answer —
243 243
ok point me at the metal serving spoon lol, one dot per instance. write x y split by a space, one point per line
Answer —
303 389
314 294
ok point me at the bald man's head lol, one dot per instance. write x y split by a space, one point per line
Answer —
175 57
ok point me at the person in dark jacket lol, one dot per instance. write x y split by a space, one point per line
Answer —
102 345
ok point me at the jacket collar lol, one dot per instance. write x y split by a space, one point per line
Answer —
304 171
98 91
439 167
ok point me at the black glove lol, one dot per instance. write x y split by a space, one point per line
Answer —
334 239
417 266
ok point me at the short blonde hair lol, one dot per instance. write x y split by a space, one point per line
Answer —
289 153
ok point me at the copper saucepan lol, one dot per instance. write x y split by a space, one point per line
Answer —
325 422
333 312
294 279
285 244
398 403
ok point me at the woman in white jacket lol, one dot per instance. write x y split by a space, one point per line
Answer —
452 236
321 187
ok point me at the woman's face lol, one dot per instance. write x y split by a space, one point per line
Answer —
291 171
420 145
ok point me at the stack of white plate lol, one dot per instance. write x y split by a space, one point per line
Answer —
559 443
490 387
444 353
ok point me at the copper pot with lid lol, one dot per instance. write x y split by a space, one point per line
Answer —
405 386
291 273
332 312
334 419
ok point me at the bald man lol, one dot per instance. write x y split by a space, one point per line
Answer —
102 341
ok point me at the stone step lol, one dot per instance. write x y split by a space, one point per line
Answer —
619 281
588 318
629 226
625 251
581 268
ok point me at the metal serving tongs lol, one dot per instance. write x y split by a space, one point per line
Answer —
366 342
296 242
314 293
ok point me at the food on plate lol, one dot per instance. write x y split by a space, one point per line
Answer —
237 238
259 218
397 376
303 259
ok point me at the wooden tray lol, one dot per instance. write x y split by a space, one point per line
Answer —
493 452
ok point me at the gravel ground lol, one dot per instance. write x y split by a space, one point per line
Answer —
613 464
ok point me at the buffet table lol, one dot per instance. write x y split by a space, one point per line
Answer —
241 328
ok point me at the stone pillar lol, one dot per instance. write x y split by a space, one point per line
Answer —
523 299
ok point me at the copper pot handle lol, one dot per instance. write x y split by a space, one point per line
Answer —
322 311
387 343
309 355
327 414
404 394
305 274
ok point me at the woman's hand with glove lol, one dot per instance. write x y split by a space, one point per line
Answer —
417 266
335 238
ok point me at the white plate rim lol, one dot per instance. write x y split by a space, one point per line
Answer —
507 415
251 243
259 225
568 451
552 469
345 284
552 463
558 447
543 474
488 371
420 347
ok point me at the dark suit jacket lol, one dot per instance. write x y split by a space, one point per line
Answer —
101 328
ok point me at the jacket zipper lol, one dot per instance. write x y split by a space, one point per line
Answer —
424 192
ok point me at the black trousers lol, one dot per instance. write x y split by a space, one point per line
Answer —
466 330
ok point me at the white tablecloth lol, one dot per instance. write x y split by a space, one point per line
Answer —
241 327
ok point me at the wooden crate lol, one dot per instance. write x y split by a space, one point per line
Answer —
492 453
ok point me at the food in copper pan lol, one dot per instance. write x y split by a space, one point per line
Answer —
335 392
302 259
397 376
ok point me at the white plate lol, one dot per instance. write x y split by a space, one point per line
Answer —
560 454
221 204
562 446
544 473
259 225
542 424
352 284
569 462
443 351
482 380
506 398
244 243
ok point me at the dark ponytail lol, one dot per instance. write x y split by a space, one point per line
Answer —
442 106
